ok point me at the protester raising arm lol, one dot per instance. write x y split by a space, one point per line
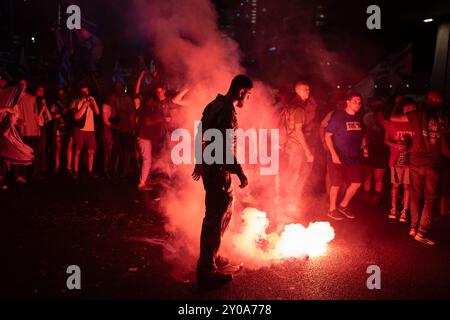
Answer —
6 109
137 90
179 98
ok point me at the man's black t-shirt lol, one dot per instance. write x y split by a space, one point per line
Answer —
221 115
426 146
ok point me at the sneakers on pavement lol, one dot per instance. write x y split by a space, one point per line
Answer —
345 212
221 261
402 216
422 238
336 215
393 214
412 232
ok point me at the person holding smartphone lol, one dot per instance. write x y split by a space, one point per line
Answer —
85 109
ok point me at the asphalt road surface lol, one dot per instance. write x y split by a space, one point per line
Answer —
52 224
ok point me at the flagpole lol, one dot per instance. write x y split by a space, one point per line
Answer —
59 14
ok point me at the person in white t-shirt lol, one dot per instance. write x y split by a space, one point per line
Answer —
85 108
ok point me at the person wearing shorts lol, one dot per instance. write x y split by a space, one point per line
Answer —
399 137
84 134
344 138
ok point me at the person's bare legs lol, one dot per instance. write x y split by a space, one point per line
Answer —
107 159
349 194
76 160
394 195
334 191
379 182
367 179
145 148
367 176
69 152
378 175
91 154
406 197
57 152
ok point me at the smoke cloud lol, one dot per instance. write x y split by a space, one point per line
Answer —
194 53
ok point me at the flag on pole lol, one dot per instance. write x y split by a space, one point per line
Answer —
65 50
118 73
394 70
88 39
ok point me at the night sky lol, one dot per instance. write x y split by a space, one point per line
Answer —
343 32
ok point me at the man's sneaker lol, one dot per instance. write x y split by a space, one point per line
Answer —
226 266
393 214
336 215
412 232
345 212
213 280
402 216
221 262
421 238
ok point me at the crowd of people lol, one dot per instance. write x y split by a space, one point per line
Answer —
408 138
63 131
352 143
359 142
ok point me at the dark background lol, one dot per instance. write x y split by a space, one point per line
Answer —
340 27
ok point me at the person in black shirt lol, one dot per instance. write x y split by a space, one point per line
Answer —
219 114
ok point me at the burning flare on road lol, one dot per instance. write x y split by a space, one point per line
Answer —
295 241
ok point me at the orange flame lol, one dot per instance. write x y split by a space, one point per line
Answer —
295 241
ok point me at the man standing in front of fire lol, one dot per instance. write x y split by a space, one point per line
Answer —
219 114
